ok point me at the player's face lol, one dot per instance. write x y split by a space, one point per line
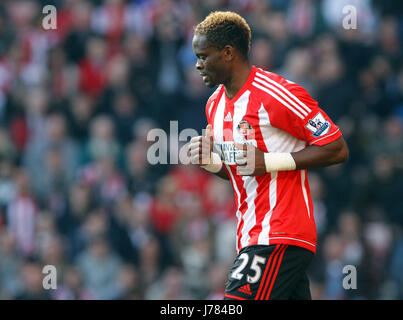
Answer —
210 61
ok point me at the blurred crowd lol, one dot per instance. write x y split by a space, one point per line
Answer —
77 103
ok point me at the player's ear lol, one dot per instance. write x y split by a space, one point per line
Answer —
228 52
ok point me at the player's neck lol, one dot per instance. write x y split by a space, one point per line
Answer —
238 79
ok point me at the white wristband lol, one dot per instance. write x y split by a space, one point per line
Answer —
279 162
215 164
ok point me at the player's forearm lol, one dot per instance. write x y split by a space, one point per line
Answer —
222 174
321 156
216 166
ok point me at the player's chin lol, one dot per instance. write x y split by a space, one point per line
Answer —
210 84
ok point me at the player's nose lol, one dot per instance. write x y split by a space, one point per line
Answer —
199 65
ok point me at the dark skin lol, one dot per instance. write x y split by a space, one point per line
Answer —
227 66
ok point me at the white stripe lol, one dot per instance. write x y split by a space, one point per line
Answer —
303 173
324 137
264 122
264 119
20 219
277 140
264 234
283 88
28 240
273 238
279 99
282 94
26 227
249 217
218 121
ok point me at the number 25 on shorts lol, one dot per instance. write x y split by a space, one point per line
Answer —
255 267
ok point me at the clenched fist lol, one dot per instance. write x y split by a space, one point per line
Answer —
250 161
200 148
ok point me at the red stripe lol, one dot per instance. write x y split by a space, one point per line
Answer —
273 266
216 101
234 297
275 274
308 192
243 206
213 103
229 172
265 271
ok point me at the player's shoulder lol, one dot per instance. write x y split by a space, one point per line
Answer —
267 84
215 94
270 87
280 95
210 102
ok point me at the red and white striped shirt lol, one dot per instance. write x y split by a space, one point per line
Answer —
22 214
276 115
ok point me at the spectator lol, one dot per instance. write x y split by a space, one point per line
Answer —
170 287
130 288
10 264
78 189
32 276
151 266
102 141
72 287
62 152
22 214
217 276
100 268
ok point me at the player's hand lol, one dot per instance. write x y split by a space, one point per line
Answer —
200 148
250 161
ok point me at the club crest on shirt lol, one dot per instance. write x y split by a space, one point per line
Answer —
244 134
318 125
246 130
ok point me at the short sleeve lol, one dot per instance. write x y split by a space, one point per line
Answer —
293 110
